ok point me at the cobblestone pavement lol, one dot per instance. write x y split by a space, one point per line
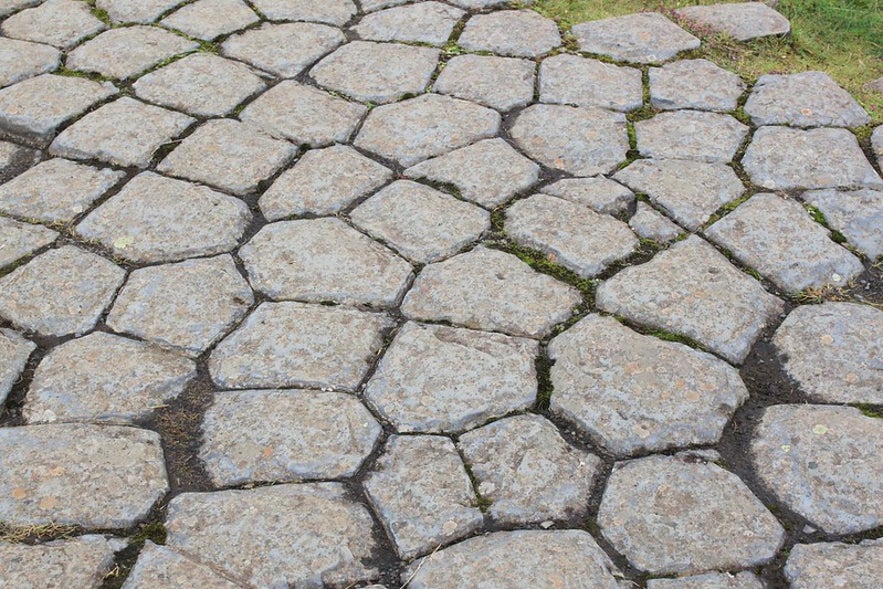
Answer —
378 293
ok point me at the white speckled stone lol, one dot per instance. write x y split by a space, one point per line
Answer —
140 11
835 565
76 562
127 51
502 83
599 194
285 49
426 22
333 12
14 353
20 60
516 33
159 567
62 23
571 79
209 19
18 239
743 580
648 223
646 37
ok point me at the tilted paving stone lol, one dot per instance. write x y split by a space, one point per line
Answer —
77 474
836 565
105 378
779 239
20 60
159 567
502 83
693 290
743 21
694 83
284 49
285 436
857 214
15 159
648 223
422 494
125 52
76 562
18 239
209 19
61 23
571 79
14 353
599 194
332 12
636 393
647 37
516 33
743 580
435 378
427 22
806 99
695 135
139 11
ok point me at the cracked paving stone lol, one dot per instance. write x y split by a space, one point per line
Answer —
490 290
428 22
209 19
77 474
779 239
77 562
18 239
636 393
651 224
647 37
668 514
435 378
422 494
743 21
61 23
515 33
696 84
693 290
694 135
502 83
305 535
186 306
575 80
105 378
138 11
14 353
836 565
806 99
332 12
599 194
20 60
857 214
299 345
127 51
742 580
822 462
283 49
60 292
159 567
324 260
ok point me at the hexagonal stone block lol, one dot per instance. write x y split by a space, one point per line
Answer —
284 49
333 12
799 453
105 378
127 51
18 239
834 564
427 22
648 223
806 99
209 19
695 135
742 20
857 214
61 23
635 393
140 11
694 83
435 378
742 580
75 474
162 568
693 290
575 80
599 194
79 562
22 59
517 33
646 37
14 353
502 83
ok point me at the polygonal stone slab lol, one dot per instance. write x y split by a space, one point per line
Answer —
332 12
799 453
742 20
650 224
209 19
517 33
646 37
693 290
284 49
427 22
571 79
159 567
857 214
806 99
742 580
435 378
694 83
140 11
75 474
18 239
77 562
599 194
14 353
695 135
857 566
636 393
62 23
127 51
22 59
502 83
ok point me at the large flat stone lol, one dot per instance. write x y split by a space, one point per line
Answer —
140 11
61 23
283 49
742 580
857 214
694 83
14 353
159 567
333 12
599 194
693 135
806 99
18 240
427 22
20 60
76 562
575 80
836 565
127 51
647 37
502 83
743 21
516 33
209 19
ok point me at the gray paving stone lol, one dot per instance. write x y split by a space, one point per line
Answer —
139 11
422 224
15 159
18 240
599 194
20 60
105 378
857 214
437 379
571 79
285 436
127 51
159 567
14 353
62 291
77 562
647 37
427 22
805 99
636 393
10 6
77 474
308 535
743 580
582 141
695 135
822 462
297 345
372 5
428 125
490 290
283 49
742 21
125 132
209 19
779 239
836 565
422 494
332 12
877 144
693 290
502 83
61 23
648 223
516 33
694 83
473 4
185 306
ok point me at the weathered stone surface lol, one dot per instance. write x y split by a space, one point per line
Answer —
77 562
694 83
693 290
209 19
332 12
307 535
650 224
636 393
15 159
599 194
22 59
805 99
18 239
298 345
372 5
857 214
422 494
127 51
105 378
159 567
490 290
877 144
140 11
436 379
742 21
743 580
468 4
502 83
646 37
571 79
836 565
10 6
583 141
62 23
76 474
285 49
800 452
694 135
14 353
185 306
517 33
427 22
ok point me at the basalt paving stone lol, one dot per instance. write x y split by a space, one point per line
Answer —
806 99
743 580
857 214
139 11
125 52
779 239
285 436
476 172
14 353
743 21
14 159
599 194
822 462
490 290
435 378
77 474
209 19
694 83
427 22
693 290
298 345
60 292
695 135
61 23
422 494
502 83
18 239
583 141
836 565
571 79
516 33
307 536
105 378
324 260
283 49
648 223
159 567
332 12
22 59
77 562
636 393
323 182
527 470
421 223
647 37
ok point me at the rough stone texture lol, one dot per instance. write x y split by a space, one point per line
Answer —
857 214
436 379
779 239
502 83
636 393
427 22
284 436
10 6
15 159
78 562
140 11
422 494
822 462
836 565
599 194
298 345
372 5
650 224
209 19
806 99
695 135
284 49
646 37
14 353
105 378
743 580
490 290
18 239
693 290
159 567
582 141
571 79
742 21
60 292
877 144
309 536
61 23
22 59
332 12
517 33
185 306
125 52
694 83
76 474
